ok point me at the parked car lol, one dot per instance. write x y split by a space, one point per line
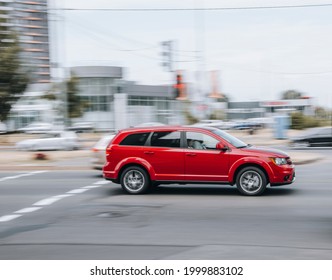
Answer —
82 127
224 125
246 125
3 128
319 136
36 127
139 158
65 140
99 152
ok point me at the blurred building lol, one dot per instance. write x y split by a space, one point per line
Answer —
285 106
29 20
97 86
245 110
258 109
115 103
34 107
112 102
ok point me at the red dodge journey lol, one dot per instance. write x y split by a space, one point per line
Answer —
140 158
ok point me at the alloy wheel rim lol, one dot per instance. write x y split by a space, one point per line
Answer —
251 181
134 180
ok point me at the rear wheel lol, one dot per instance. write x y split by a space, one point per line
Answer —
135 180
251 181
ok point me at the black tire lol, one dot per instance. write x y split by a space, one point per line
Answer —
251 181
135 180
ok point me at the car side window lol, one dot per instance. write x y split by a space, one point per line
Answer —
169 139
200 141
136 139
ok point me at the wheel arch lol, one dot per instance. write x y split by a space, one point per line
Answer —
133 161
125 166
249 164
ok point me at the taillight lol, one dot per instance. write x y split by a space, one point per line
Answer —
108 150
95 150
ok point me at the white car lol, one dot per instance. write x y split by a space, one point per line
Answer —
3 128
36 127
99 152
65 140
82 127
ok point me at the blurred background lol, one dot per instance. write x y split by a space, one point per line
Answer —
74 72
105 66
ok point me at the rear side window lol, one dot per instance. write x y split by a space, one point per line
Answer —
169 139
137 139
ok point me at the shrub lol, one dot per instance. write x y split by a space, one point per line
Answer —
300 121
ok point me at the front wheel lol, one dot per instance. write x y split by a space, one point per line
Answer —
251 181
135 180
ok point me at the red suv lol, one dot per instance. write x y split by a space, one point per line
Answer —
143 157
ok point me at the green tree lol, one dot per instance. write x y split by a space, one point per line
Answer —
75 103
13 80
291 94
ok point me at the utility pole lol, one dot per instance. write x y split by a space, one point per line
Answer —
168 55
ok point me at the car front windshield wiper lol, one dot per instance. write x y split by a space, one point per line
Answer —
244 146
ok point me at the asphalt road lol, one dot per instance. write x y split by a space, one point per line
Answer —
77 215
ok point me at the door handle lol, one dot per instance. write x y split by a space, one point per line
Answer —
191 154
148 152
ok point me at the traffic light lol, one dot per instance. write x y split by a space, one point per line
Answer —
215 93
167 55
179 88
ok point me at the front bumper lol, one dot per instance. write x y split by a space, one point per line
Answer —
283 176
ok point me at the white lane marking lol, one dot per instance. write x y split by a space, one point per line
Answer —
22 175
8 218
104 182
90 187
27 210
63 195
38 172
77 191
47 201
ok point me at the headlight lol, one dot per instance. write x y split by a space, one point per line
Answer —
279 161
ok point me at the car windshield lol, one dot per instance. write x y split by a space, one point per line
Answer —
230 139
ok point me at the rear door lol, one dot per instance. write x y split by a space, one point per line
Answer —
164 153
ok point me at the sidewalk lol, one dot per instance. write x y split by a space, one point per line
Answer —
11 159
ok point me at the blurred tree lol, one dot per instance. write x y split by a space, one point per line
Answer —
291 94
75 103
300 121
321 112
224 98
13 80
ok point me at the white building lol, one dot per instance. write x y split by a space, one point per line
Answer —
113 103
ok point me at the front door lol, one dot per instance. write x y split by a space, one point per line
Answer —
203 162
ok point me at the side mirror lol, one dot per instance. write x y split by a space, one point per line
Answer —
220 146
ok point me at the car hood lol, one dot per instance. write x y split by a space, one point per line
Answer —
265 151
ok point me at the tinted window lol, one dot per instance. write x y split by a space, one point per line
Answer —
201 141
137 139
166 139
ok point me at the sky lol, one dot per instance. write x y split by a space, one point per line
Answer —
257 53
